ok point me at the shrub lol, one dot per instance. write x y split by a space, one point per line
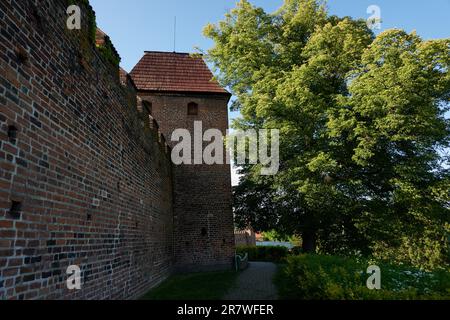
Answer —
264 253
336 278
296 251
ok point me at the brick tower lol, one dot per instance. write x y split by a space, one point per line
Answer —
178 90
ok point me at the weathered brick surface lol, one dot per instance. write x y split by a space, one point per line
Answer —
203 219
88 182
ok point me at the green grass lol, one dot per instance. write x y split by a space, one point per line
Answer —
194 286
321 277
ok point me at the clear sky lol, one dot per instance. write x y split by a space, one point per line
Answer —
138 25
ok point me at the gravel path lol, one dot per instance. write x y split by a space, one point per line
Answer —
255 283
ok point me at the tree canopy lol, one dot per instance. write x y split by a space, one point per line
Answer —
363 130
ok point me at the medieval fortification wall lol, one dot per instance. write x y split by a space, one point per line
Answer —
84 179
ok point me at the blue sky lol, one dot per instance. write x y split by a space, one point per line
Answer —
138 25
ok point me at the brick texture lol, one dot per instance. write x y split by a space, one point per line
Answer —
174 72
84 180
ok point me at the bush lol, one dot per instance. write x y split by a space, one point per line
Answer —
296 251
318 277
264 253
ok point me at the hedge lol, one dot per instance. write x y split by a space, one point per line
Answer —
264 253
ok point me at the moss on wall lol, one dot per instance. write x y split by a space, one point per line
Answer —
109 52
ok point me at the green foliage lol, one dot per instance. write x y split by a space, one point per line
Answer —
274 235
264 253
362 130
195 286
107 50
336 278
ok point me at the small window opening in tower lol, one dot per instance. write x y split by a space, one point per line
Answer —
192 109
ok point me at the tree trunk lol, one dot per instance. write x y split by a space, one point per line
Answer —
309 241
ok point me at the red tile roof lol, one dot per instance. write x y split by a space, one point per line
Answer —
174 72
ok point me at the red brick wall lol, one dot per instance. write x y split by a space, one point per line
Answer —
94 186
203 219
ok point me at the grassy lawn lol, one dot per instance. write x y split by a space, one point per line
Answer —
194 286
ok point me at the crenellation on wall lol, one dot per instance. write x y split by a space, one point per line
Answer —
94 187
203 220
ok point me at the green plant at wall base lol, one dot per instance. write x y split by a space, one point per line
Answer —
320 277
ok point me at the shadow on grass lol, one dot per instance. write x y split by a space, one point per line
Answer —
194 286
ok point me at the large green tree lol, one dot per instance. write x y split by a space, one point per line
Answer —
362 129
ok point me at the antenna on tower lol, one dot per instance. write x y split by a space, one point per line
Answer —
175 34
